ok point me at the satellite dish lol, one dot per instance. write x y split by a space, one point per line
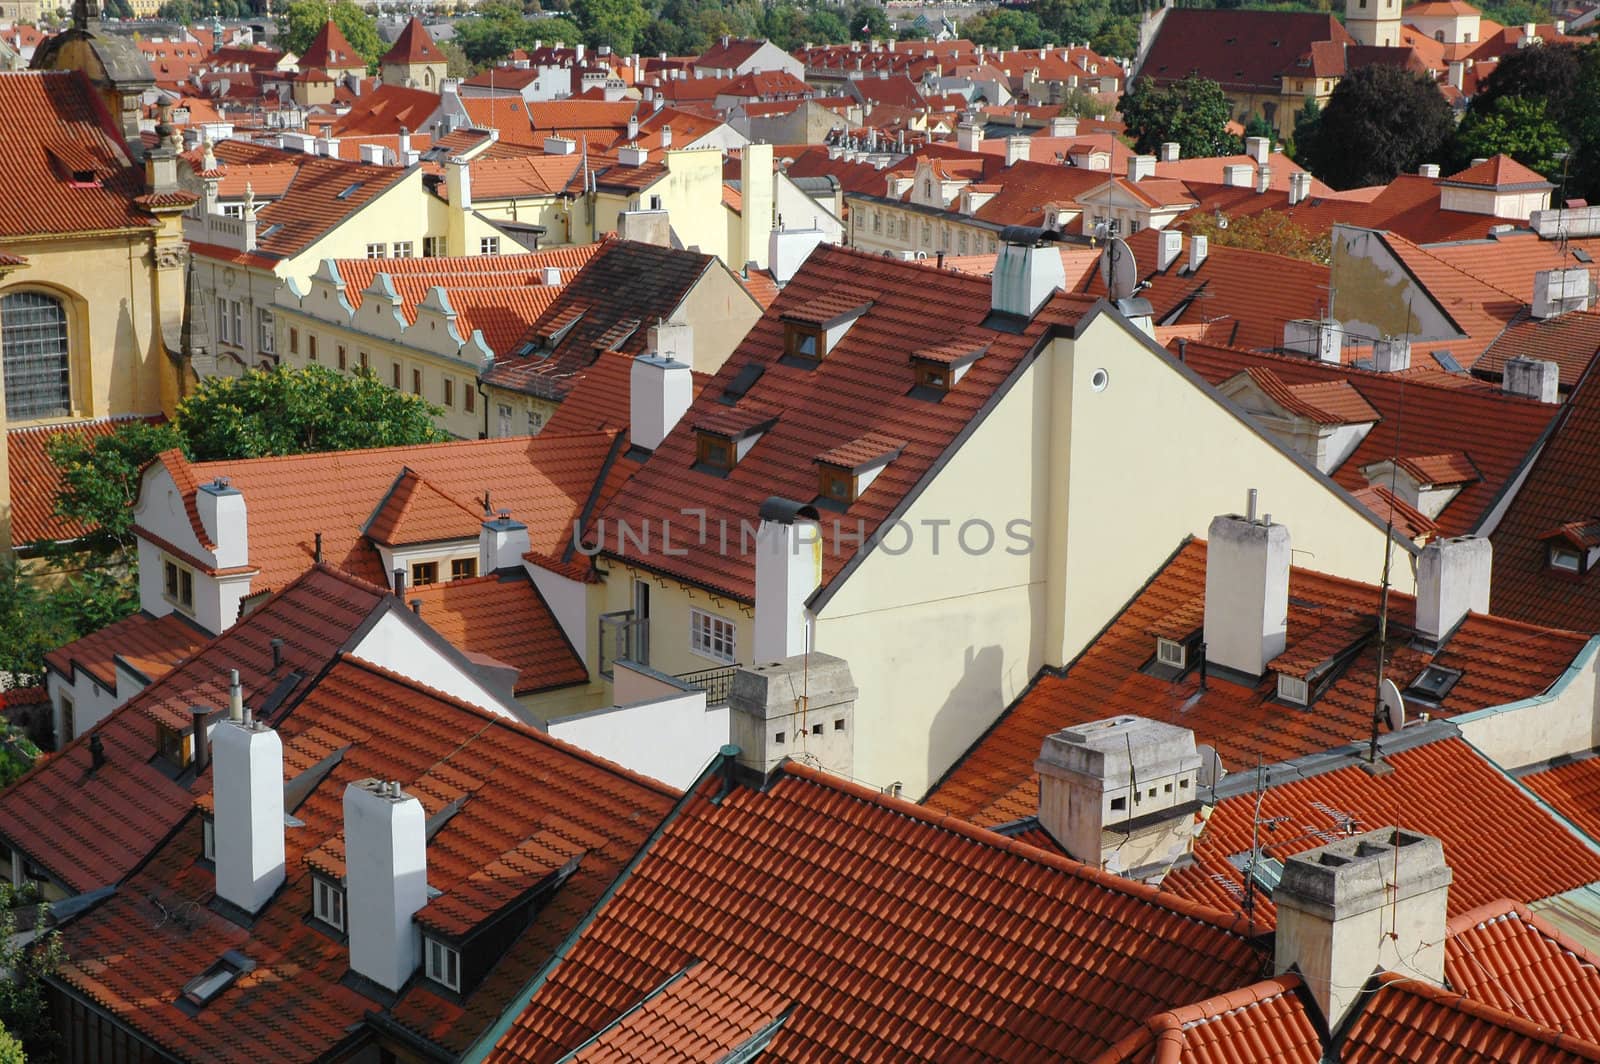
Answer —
1118 271
1211 770
1389 696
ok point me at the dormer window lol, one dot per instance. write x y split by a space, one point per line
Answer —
802 341
939 369
713 452
724 435
178 584
811 331
1573 549
844 473
1566 559
172 746
1293 689
327 902
1172 653
441 963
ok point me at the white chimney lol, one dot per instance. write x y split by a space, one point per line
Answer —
1391 354
1452 578
666 136
372 154
550 275
1063 126
403 143
1531 378
1120 794
1171 150
633 128
660 391
1556 292
1299 187
222 514
559 145
1314 338
788 570
1263 178
1168 248
1016 150
1258 148
458 184
1237 175
386 879
501 544
1457 75
247 795
1141 167
1429 170
328 146
1347 909
1199 247
1024 277
632 156
1247 593
788 249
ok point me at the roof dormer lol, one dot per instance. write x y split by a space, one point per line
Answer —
1428 483
844 473
724 435
1572 549
1321 421
814 329
938 369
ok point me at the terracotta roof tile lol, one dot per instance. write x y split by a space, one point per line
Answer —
599 396
1238 51
1501 172
1407 1020
995 782
704 1013
1573 790
152 645
519 786
505 617
414 511
940 958
1443 470
387 109
1265 1023
1333 402
1408 520
1503 955
35 481
1571 341
90 829
414 45
330 50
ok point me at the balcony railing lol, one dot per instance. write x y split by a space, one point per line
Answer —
716 683
622 637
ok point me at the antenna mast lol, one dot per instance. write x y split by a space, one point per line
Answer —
1373 765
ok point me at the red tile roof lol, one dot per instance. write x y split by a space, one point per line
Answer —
1503 955
414 512
995 782
1502 173
943 957
54 116
1571 341
91 828
414 45
387 110
518 784
545 481
1573 790
862 386
1564 486
1510 260
1529 856
330 50
35 481
1327 402
1477 308
1240 50
1406 1020
704 1013
522 176
599 396
505 617
151 645
1498 434
1264 1023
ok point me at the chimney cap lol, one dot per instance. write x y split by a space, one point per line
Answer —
1352 875
1029 236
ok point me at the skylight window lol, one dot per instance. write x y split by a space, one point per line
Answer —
1434 683
1565 559
200 991
349 191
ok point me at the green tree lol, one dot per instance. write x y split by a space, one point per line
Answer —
1271 231
296 411
24 1006
1516 126
1307 121
1004 28
300 22
1551 73
11 1049
118 8
870 22
1193 112
182 11
1260 127
456 63
1118 37
618 23
100 476
1380 121
824 27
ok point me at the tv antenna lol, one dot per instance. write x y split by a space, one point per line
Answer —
1257 822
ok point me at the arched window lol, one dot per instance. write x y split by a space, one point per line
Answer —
1438 35
33 343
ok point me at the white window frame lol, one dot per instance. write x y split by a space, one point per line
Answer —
434 247
174 595
264 330
1295 689
1566 560
713 636
327 902
236 310
441 963
404 249
378 251
489 245
1171 652
222 320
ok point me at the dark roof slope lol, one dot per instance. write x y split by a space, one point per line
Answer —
1243 51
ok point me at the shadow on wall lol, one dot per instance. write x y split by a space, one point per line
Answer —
972 706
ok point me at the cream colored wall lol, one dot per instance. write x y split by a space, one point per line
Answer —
691 193
399 213
548 211
721 312
670 603
1565 720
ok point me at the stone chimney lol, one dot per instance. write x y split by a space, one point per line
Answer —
501 544
386 879
247 795
788 570
1314 338
1120 794
1349 908
1025 275
1457 74
969 136
1557 292
1391 354
222 514
660 391
1247 592
1452 579
769 719
1532 378
1237 175
1064 126
1169 248
1141 167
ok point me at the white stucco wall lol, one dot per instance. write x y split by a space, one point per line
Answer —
569 602
670 736
1561 721
395 644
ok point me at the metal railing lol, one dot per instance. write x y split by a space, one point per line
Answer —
716 683
623 638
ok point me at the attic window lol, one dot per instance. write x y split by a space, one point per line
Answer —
713 453
1294 689
844 473
441 963
803 341
1433 683
200 991
1172 653
1565 559
811 331
327 902
348 191
724 435
939 369
172 746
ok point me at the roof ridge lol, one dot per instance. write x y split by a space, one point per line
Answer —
1388 980
1233 923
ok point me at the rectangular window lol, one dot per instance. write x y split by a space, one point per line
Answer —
443 964
535 422
1566 560
416 382
172 746
178 582
238 322
469 396
463 568
712 636
449 393
264 330
327 902
222 321
402 249
294 341
377 251
1171 652
395 375
423 573
489 245
713 452
208 839
836 484
341 358
364 361
802 341
1293 689
311 347
69 724
433 247
504 414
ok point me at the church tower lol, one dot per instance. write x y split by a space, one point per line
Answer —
415 61
1374 22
